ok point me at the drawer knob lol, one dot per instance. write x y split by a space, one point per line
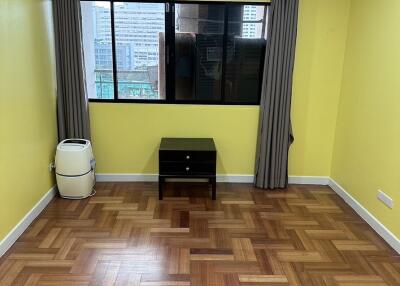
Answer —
187 168
187 157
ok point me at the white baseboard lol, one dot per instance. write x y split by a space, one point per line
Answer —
309 180
235 178
23 224
221 178
386 234
154 178
126 177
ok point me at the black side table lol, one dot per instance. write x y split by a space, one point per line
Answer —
187 158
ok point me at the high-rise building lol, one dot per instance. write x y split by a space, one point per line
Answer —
137 29
137 26
251 28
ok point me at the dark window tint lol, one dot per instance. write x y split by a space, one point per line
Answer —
245 52
199 30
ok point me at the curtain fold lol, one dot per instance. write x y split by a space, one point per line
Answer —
72 101
275 131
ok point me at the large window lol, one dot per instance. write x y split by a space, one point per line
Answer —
174 52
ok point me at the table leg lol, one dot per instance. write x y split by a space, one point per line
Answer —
160 186
214 188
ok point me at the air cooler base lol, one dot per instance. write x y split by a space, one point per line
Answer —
78 187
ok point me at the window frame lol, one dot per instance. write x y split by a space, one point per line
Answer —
170 54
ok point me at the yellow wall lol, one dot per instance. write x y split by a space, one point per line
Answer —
367 145
317 80
27 109
126 136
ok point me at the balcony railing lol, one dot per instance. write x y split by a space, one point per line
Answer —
131 85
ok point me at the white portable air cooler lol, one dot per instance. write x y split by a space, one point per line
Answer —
75 165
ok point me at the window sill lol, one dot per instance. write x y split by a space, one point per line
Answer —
160 101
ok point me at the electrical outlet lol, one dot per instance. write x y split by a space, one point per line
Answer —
51 167
388 201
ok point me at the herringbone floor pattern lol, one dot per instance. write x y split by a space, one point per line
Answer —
305 235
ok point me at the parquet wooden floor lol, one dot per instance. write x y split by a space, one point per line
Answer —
305 235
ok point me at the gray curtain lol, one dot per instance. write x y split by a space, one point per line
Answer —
72 101
274 131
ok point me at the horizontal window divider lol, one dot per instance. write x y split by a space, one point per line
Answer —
255 3
163 101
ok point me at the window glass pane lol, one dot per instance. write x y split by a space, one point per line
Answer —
245 52
199 30
96 29
139 41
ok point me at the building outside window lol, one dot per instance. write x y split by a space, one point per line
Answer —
214 60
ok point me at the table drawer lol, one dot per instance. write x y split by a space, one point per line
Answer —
186 168
187 156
